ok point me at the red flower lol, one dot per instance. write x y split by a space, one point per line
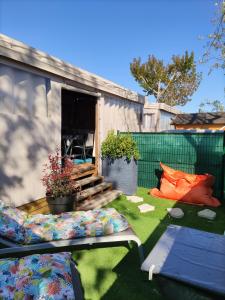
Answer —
14 269
58 265
54 288
57 177
10 288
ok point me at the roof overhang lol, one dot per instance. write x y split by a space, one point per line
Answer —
199 118
21 53
161 106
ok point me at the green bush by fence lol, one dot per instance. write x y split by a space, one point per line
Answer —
190 152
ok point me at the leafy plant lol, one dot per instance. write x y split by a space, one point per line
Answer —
215 44
171 83
57 178
211 106
117 146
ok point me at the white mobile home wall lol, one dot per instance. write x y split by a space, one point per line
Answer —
30 129
30 125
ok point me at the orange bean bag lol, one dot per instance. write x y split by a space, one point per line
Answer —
189 188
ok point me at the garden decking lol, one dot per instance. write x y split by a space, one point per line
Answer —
94 192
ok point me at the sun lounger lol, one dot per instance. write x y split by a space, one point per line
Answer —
21 233
127 235
190 256
40 276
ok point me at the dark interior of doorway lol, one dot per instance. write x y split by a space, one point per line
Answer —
78 126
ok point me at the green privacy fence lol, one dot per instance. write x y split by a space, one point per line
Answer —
190 152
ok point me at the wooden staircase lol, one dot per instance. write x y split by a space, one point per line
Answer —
94 193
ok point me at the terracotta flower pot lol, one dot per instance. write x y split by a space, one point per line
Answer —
61 204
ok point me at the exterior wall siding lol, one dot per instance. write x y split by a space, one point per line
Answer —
165 121
30 128
157 117
120 114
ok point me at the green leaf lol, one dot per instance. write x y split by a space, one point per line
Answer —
121 145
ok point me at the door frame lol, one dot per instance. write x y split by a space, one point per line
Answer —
97 121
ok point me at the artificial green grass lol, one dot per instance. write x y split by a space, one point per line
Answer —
114 273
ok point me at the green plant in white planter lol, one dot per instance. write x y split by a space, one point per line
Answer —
119 161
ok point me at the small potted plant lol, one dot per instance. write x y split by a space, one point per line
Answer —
119 161
60 189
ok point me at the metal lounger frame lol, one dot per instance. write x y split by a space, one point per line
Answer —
127 235
77 287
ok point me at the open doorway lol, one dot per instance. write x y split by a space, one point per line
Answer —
78 127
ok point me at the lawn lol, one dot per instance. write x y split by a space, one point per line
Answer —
114 273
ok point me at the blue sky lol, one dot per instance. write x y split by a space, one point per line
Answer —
103 36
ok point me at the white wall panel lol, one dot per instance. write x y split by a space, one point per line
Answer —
120 114
28 134
165 121
7 101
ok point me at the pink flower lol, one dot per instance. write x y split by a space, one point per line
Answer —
67 277
71 234
10 288
22 282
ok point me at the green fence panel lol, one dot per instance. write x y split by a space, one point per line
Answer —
187 151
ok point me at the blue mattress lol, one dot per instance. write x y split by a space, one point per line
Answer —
82 161
191 256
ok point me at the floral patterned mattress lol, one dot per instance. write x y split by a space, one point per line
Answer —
29 229
37 277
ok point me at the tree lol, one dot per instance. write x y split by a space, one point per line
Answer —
173 83
211 106
215 46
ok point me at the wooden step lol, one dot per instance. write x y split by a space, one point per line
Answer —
83 170
99 200
88 180
94 190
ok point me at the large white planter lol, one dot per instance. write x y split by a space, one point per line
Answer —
122 174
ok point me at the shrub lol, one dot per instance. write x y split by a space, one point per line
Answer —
57 178
117 146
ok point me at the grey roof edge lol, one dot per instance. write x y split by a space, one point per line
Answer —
199 118
15 50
